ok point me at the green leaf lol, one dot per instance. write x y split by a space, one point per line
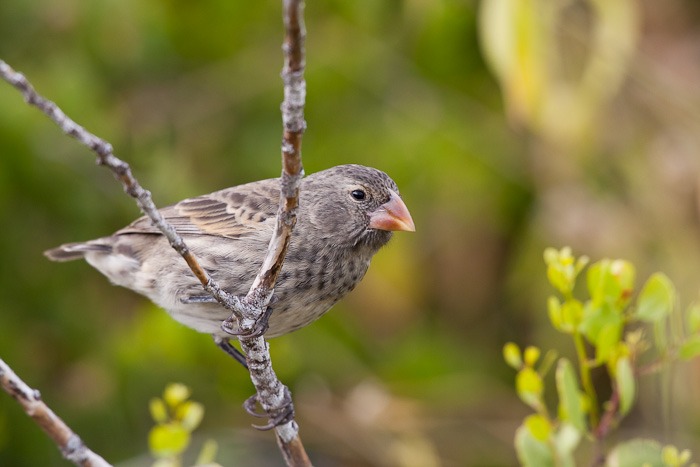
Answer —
158 410
168 440
570 408
656 299
581 263
602 325
528 384
607 341
565 317
635 453
208 453
554 312
611 282
539 427
684 456
514 36
626 385
690 348
571 315
565 442
531 451
670 455
511 354
190 415
693 317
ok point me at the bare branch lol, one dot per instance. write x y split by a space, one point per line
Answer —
70 444
272 395
121 172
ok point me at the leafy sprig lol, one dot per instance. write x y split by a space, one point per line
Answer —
609 331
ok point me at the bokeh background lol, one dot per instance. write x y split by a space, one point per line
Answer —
508 125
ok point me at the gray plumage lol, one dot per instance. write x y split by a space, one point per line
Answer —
229 230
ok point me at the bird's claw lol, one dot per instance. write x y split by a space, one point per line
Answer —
197 299
279 416
231 326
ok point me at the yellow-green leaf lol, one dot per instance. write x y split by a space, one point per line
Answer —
602 325
571 315
538 426
690 348
670 455
611 281
565 441
158 410
693 317
608 341
570 408
531 451
529 387
168 440
175 394
624 376
190 415
531 355
656 299
554 312
511 354
635 453
208 453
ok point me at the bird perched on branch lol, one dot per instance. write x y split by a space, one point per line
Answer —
346 214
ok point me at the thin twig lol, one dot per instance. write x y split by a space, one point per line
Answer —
607 421
71 446
121 172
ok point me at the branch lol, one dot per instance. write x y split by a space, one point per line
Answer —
272 395
121 172
70 444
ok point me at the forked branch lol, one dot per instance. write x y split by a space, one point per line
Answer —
272 395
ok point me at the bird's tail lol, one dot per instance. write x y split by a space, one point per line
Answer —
71 251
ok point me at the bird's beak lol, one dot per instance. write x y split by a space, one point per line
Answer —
392 215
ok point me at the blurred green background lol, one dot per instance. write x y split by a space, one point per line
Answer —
509 126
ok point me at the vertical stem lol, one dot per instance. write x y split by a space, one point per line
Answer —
586 381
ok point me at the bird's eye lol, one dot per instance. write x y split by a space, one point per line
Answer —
359 195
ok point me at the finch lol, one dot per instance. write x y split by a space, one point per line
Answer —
346 214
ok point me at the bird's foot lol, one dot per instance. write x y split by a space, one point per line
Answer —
195 299
224 344
279 416
232 326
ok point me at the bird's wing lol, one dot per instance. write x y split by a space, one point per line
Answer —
236 212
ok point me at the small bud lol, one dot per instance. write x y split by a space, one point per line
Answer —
175 394
532 354
511 354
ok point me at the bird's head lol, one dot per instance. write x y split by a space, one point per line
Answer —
353 205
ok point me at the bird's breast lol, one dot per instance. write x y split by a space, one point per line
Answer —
308 288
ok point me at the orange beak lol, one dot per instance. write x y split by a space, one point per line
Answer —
392 215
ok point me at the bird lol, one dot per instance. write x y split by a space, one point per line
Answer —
346 214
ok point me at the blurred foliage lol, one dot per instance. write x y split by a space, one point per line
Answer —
615 330
407 369
176 418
